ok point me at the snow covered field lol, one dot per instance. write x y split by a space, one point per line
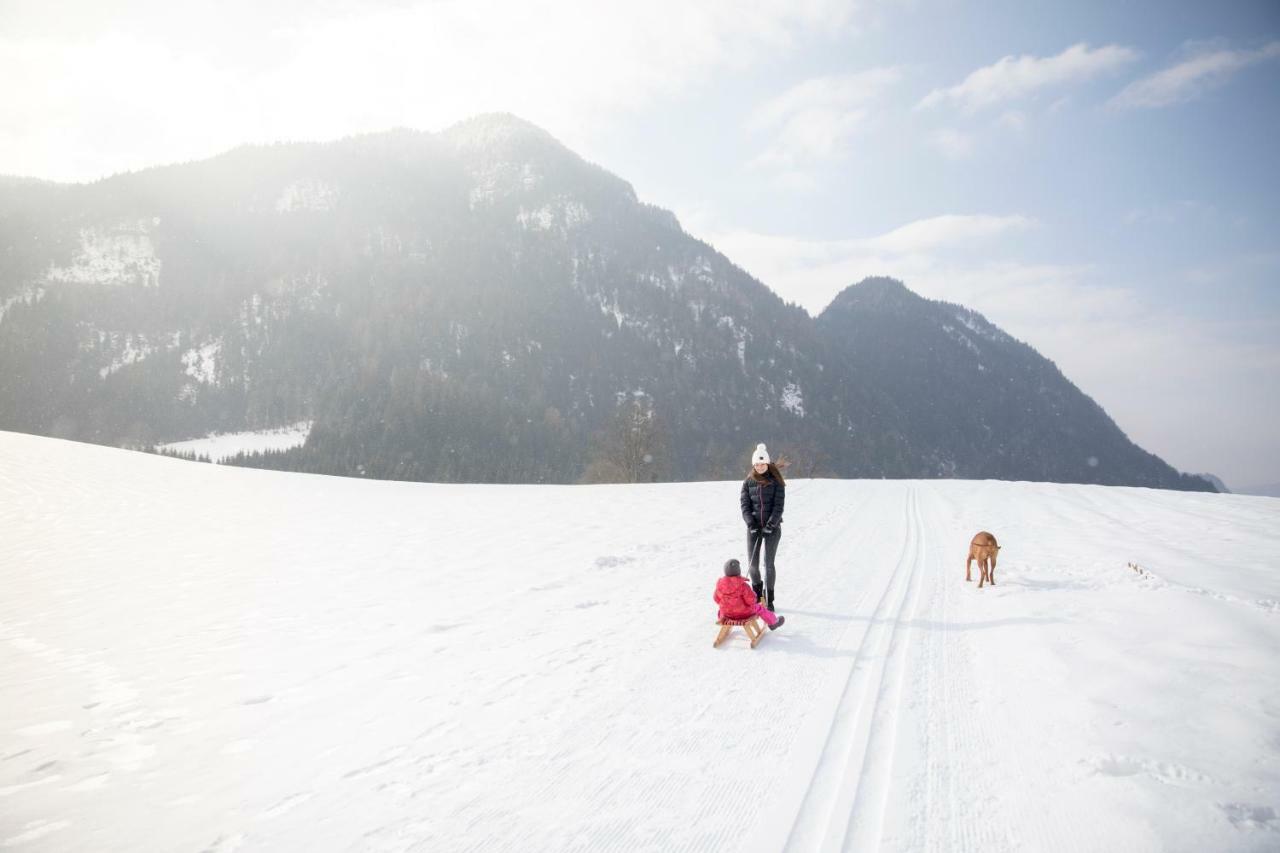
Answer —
220 446
200 658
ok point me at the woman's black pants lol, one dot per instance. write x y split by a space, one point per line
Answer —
770 548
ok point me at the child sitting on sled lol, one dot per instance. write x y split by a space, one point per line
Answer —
738 601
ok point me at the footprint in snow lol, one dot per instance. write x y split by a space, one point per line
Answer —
92 783
369 769
1251 816
286 804
1167 772
225 844
33 830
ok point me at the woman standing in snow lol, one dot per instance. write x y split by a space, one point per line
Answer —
764 493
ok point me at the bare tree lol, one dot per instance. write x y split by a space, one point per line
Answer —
633 448
805 460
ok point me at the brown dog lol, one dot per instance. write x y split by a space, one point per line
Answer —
984 549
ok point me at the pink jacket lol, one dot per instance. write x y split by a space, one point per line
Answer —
735 597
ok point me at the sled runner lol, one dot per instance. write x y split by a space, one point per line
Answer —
753 626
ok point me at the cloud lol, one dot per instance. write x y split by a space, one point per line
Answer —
954 144
1014 121
1257 268
144 85
1192 77
812 272
813 121
1016 77
948 231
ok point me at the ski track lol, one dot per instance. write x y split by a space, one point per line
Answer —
820 823
944 807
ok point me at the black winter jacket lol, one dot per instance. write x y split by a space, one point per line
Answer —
762 501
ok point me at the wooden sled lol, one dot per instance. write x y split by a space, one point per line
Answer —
754 627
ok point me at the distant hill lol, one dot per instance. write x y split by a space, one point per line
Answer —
975 402
1266 490
1216 482
484 305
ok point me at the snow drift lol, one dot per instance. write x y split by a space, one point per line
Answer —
208 658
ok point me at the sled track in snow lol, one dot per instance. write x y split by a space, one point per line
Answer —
844 806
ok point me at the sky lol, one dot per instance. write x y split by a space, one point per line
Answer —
1097 178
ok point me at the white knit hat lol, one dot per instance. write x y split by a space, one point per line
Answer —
761 455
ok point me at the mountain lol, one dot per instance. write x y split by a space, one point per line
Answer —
483 304
973 401
1217 483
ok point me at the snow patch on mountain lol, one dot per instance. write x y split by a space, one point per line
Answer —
979 326
307 194
219 447
201 363
793 399
561 216
432 368
498 180
610 308
253 312
113 257
702 271
739 335
28 295
960 336
128 348
698 271
305 290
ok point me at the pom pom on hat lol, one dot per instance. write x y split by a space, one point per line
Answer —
761 455
732 569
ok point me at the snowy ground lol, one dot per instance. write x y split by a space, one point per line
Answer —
220 446
204 658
